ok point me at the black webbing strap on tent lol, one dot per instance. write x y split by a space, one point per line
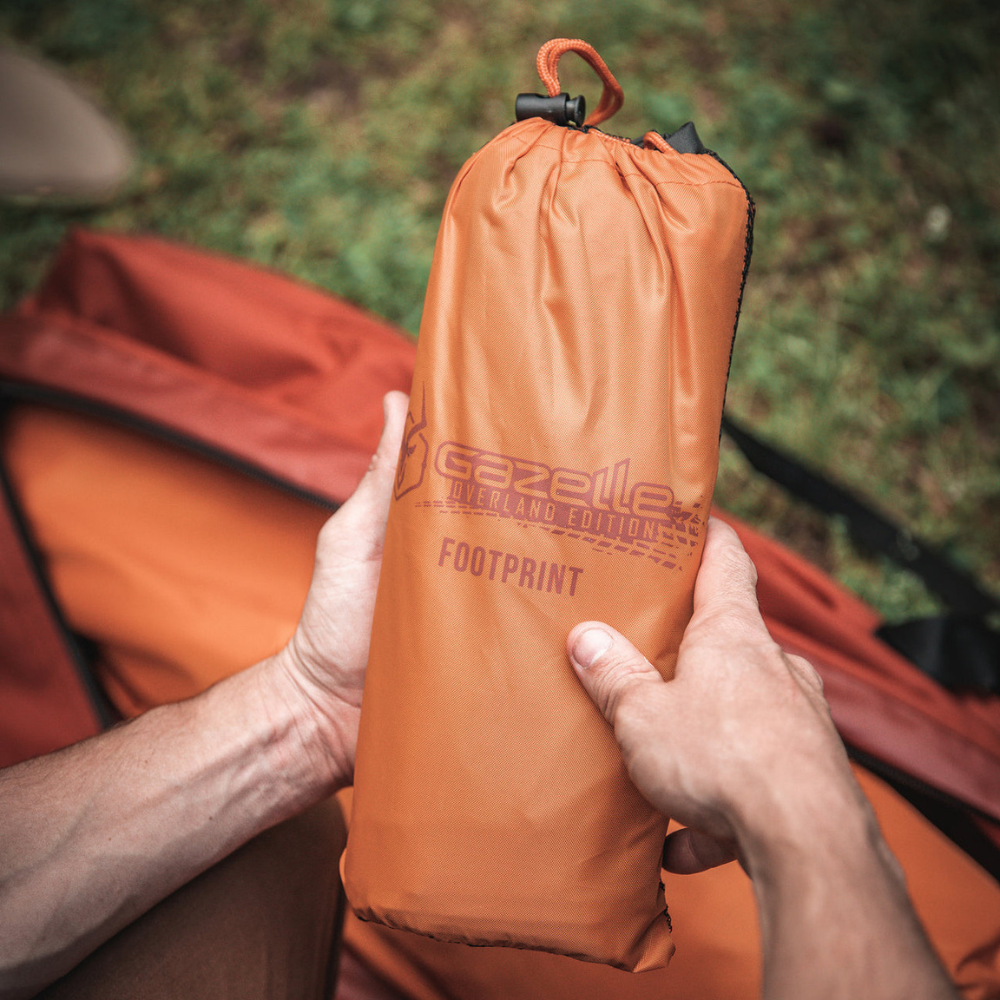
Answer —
960 649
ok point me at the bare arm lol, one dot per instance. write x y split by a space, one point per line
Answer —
93 836
740 747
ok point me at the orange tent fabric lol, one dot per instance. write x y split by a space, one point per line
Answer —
142 541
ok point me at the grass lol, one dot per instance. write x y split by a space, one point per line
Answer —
320 137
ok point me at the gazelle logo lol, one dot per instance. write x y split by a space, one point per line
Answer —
603 504
413 452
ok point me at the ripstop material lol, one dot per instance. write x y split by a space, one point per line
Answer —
558 465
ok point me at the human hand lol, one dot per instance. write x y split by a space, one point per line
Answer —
739 745
324 662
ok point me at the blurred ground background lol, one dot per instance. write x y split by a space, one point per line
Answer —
320 137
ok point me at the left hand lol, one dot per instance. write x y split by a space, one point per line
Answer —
326 658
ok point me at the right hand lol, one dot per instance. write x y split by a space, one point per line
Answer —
740 744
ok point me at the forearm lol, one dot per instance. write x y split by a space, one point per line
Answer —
836 920
92 837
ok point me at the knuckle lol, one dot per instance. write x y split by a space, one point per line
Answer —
614 685
807 672
629 703
739 567
730 625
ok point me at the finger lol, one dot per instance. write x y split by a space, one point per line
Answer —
805 672
688 851
383 464
368 506
609 666
725 592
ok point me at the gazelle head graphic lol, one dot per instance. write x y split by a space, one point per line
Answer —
413 453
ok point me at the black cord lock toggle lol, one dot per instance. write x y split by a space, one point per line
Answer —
560 110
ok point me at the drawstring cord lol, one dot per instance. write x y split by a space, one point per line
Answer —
653 140
612 97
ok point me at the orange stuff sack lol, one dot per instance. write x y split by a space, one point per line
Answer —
558 465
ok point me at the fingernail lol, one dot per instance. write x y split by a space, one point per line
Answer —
590 646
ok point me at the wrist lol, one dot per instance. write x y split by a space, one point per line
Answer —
819 816
313 731
818 858
835 916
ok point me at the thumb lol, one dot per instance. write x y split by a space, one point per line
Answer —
689 851
610 669
364 513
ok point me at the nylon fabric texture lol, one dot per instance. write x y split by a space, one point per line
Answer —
558 465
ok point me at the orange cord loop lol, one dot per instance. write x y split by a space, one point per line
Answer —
653 140
612 97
